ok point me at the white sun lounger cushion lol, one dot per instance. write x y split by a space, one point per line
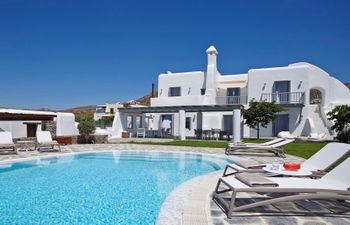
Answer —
255 180
5 138
248 163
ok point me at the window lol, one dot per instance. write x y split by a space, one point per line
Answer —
203 91
111 110
281 86
233 91
129 122
174 91
138 121
233 95
188 123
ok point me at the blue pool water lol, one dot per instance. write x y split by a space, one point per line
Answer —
95 188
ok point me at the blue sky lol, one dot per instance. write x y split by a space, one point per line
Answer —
61 54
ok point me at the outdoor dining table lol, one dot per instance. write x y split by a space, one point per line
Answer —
302 172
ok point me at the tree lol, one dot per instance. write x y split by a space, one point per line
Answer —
86 127
340 115
260 114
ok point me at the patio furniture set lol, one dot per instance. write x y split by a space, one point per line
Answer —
213 134
273 183
42 143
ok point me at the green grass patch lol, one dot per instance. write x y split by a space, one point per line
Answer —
300 149
197 143
303 149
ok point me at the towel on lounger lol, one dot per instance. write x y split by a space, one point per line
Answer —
248 164
255 180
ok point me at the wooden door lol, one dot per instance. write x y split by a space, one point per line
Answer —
31 130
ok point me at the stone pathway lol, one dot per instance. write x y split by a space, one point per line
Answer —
199 209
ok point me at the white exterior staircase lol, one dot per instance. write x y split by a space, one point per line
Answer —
320 124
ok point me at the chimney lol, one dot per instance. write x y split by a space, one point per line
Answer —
212 72
153 91
212 55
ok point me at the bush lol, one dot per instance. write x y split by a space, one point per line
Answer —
340 115
86 127
344 136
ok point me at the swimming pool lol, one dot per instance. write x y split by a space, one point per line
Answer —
121 187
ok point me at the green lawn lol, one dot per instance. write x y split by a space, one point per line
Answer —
197 143
301 149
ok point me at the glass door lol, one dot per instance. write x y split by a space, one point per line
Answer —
233 96
281 91
281 123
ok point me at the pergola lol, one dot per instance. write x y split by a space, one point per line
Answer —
25 115
181 110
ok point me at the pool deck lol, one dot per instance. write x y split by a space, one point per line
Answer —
191 203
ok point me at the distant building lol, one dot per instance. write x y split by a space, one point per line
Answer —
25 123
104 115
106 110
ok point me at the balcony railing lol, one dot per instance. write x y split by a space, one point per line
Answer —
231 100
284 97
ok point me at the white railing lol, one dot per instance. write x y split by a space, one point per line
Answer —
284 97
231 100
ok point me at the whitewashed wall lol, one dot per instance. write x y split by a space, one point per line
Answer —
65 125
17 128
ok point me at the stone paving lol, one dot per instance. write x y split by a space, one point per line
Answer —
198 208
305 212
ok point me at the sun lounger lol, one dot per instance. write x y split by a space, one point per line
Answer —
45 142
320 162
273 141
6 143
273 148
334 185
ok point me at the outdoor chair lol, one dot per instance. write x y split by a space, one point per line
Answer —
272 147
215 134
334 185
141 132
318 163
45 142
6 143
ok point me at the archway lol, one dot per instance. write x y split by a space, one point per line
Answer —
316 96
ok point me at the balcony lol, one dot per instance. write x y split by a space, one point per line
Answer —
231 100
100 110
284 98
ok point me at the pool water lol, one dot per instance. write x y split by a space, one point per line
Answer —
96 188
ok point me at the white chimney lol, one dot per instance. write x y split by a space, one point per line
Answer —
212 73
212 54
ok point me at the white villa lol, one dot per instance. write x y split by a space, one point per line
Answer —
191 103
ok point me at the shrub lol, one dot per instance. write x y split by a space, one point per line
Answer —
340 115
86 127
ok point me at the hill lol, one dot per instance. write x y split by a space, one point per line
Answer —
145 100
82 111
